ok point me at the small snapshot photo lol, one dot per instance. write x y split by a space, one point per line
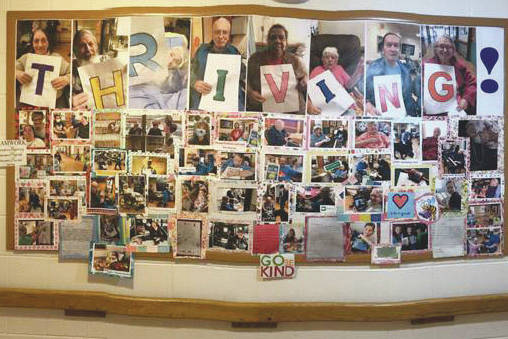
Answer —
328 133
393 73
195 196
433 130
329 168
484 241
453 156
189 237
107 129
198 129
485 188
238 166
369 168
405 176
38 166
148 232
149 164
63 209
35 234
161 192
451 194
483 143
229 236
197 161
71 158
280 167
111 260
45 42
315 199
484 215
135 132
291 238
33 128
66 188
241 131
412 236
109 229
103 193
372 134
109 161
132 194
363 236
70 125
283 132
236 199
363 199
406 141
161 132
275 204
31 200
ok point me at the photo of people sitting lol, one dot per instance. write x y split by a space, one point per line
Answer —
329 133
195 196
406 144
31 199
284 132
362 236
432 131
229 236
275 204
280 167
132 193
35 232
453 157
483 241
152 133
483 143
71 158
148 231
236 199
238 130
369 168
484 215
103 192
63 209
109 229
363 199
372 134
329 168
109 160
37 166
486 188
449 194
65 188
149 165
418 176
36 135
105 260
195 161
239 166
291 240
71 125
315 199
411 236
161 192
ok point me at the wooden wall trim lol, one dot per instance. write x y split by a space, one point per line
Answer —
250 311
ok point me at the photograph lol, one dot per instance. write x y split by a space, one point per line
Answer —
107 129
275 203
329 168
63 208
315 199
197 161
452 156
485 188
38 166
484 241
337 47
31 199
111 260
283 132
70 125
362 237
280 167
363 199
485 215
368 168
161 192
71 158
393 58
189 237
411 236
226 35
109 161
132 194
148 232
198 129
406 141
195 196
451 194
148 164
228 236
453 47
152 133
109 230
372 134
328 133
242 131
433 130
67 187
34 128
237 166
411 176
235 199
291 238
35 234
103 195
39 40
483 143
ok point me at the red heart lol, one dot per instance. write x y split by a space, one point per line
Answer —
400 200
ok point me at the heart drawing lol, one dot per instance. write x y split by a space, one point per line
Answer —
400 200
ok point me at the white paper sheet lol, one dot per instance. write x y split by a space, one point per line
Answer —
440 89
278 86
448 235
43 69
325 239
328 94
388 96
12 152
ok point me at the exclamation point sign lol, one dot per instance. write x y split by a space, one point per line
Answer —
489 57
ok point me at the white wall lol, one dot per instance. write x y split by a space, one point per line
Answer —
224 282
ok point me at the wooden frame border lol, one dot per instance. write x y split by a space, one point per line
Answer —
13 16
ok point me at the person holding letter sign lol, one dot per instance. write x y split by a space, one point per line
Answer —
275 54
42 44
389 64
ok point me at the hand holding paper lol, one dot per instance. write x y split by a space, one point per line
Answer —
40 71
279 87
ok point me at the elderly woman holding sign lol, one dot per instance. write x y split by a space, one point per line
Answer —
275 54
445 54
43 45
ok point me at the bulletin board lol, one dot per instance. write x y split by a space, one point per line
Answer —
388 146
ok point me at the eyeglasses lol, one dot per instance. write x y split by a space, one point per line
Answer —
448 47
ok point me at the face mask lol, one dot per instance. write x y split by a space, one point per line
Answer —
200 132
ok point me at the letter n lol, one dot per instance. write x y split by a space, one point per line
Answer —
393 96
116 89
